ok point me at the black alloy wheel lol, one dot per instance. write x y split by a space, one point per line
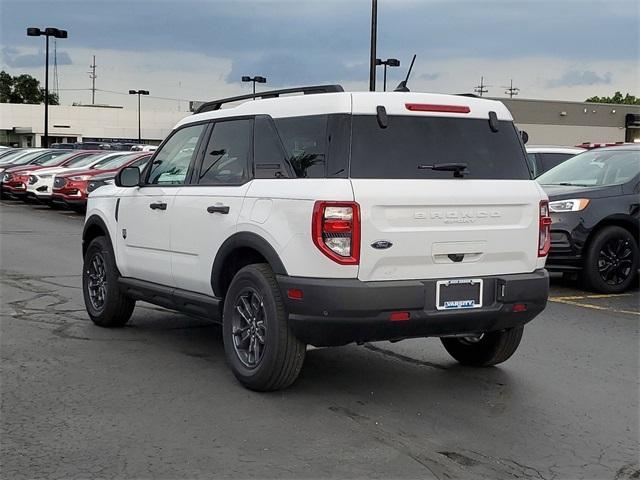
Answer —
249 327
615 261
97 281
611 260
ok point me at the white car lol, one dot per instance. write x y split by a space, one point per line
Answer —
543 158
40 183
325 219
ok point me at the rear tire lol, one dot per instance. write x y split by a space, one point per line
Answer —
261 350
104 300
489 349
611 262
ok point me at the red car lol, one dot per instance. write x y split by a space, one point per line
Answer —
70 188
15 179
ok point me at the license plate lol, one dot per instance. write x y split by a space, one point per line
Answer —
459 294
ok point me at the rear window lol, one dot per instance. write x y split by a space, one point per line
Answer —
409 142
316 146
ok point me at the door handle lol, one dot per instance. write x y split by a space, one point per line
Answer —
218 209
158 206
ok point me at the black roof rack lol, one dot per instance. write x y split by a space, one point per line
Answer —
216 104
467 95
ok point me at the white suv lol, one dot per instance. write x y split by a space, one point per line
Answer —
325 219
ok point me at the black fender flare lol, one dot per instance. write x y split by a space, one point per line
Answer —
92 222
244 240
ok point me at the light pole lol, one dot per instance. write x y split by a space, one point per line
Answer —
256 79
374 39
139 92
389 62
47 32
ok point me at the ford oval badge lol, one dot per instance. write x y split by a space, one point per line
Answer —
381 245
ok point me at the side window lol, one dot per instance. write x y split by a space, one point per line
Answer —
268 156
226 158
550 160
305 142
171 164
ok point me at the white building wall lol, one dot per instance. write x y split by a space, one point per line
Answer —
92 122
570 134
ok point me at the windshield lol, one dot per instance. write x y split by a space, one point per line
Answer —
14 156
100 160
84 160
595 168
117 161
420 147
27 158
10 151
53 158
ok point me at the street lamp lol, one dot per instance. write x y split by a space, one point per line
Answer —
47 32
139 92
389 62
256 79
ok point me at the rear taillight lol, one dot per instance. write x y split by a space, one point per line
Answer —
335 230
544 237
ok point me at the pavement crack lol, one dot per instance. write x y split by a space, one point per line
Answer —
403 358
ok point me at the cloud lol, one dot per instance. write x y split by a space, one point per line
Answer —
574 78
430 76
287 69
11 57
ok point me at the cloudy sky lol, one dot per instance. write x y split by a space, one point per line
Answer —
561 49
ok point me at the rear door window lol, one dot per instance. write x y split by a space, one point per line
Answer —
227 156
550 160
409 142
269 159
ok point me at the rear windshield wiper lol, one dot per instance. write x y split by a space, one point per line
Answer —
457 168
568 184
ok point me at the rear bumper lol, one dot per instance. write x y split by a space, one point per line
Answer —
339 311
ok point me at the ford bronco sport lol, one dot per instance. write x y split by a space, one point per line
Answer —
324 219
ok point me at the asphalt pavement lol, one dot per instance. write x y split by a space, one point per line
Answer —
156 400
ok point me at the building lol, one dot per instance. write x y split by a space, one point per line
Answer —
553 122
23 125
545 121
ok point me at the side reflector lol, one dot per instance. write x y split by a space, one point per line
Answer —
424 107
519 307
295 293
399 316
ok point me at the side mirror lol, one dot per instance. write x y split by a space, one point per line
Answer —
525 136
128 177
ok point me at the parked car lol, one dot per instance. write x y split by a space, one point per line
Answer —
327 219
15 178
70 188
544 157
107 178
595 210
144 148
40 183
17 157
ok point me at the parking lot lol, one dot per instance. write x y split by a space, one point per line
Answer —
155 399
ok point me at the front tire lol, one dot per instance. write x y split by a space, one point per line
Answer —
611 261
104 300
485 350
261 350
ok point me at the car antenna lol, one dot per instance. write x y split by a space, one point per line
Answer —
402 86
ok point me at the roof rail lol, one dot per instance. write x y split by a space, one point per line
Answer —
467 95
216 104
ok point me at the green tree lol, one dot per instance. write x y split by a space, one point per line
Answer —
23 89
617 98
